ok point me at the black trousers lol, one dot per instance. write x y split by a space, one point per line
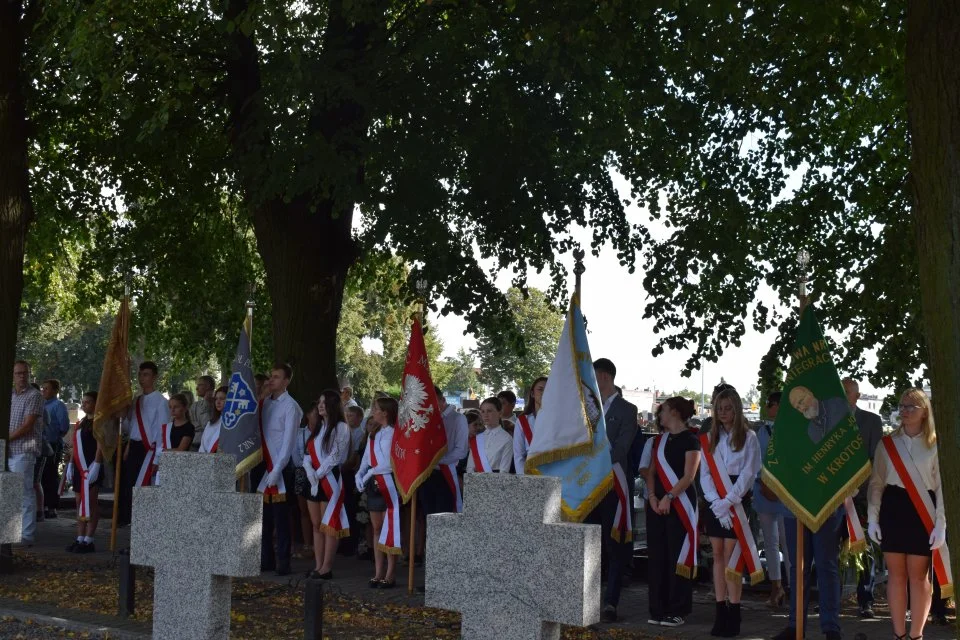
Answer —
131 469
50 480
276 516
615 556
670 594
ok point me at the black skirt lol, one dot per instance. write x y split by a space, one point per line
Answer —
322 495
375 500
713 527
901 528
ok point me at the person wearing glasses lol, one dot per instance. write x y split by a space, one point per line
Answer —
904 492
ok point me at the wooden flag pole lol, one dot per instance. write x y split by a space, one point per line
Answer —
803 259
116 491
412 542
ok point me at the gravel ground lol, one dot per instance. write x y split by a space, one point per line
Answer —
11 629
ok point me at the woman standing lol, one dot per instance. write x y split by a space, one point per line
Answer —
301 485
905 513
177 435
491 451
84 474
383 502
731 463
523 432
210 440
672 515
327 449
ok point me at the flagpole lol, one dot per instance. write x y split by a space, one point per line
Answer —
422 315
803 259
250 305
119 452
578 269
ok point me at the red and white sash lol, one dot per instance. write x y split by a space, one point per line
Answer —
147 469
685 509
917 490
80 462
449 472
334 519
856 541
745 553
389 541
274 493
526 428
479 451
622 525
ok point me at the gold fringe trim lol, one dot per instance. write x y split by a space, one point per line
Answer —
686 572
274 498
420 479
336 533
854 548
248 463
390 551
946 591
756 577
732 574
589 503
82 519
810 520
555 455
615 534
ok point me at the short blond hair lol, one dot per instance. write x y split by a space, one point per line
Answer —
922 400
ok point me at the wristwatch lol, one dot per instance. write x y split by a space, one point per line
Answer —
669 495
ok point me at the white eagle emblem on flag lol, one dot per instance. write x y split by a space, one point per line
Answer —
414 409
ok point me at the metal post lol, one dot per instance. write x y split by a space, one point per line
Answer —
313 610
128 585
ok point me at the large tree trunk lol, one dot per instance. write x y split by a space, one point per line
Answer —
933 98
16 208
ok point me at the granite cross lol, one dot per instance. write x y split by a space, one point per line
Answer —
197 531
11 502
508 564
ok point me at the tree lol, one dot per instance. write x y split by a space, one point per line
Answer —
539 324
463 373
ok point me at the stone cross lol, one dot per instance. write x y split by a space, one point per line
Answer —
197 532
508 564
11 501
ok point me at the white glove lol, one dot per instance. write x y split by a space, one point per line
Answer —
93 472
721 508
360 483
938 536
726 521
314 489
873 530
273 478
733 498
69 473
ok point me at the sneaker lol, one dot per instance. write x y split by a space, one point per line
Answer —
866 612
654 621
671 621
608 614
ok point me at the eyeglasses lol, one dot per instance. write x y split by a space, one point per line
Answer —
907 408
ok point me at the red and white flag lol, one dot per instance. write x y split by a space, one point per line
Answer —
420 439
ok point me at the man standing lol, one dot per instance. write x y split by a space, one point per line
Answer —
508 401
202 410
621 420
870 426
280 417
26 411
143 424
56 424
346 398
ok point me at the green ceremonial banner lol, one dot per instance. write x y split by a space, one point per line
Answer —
816 457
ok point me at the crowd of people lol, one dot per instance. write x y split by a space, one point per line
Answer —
328 487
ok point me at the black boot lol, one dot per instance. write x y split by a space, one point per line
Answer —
720 621
733 621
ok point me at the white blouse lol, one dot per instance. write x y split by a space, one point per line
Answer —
382 441
211 434
520 442
745 463
884 473
499 449
338 453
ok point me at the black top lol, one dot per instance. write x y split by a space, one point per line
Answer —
85 429
675 452
177 434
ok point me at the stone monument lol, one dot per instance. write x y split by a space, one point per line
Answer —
509 565
11 501
197 532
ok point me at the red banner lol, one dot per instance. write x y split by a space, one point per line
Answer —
420 439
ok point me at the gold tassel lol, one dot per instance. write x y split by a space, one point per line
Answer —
390 551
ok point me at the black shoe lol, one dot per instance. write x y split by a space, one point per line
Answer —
374 583
387 585
720 622
941 619
73 546
316 575
50 514
86 547
790 633
608 614
733 621
283 571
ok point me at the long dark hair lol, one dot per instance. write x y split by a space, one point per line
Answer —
334 411
225 391
531 406
390 407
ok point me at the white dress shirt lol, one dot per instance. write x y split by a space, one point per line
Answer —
884 473
744 463
382 440
498 445
336 455
520 443
211 434
455 424
155 412
281 417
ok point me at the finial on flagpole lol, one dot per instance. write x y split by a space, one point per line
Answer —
578 268
251 293
422 287
803 259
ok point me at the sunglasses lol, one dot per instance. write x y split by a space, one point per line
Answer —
907 408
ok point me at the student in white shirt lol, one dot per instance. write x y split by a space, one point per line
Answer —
327 449
736 445
894 522
497 443
144 421
521 436
210 440
375 479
